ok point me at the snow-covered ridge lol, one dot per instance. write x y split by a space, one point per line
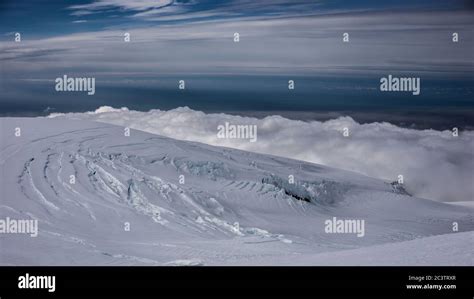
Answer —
435 164
233 207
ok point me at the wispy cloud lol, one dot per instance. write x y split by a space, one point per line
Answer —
379 43
152 9
195 10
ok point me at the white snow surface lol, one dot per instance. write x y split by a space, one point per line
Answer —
234 208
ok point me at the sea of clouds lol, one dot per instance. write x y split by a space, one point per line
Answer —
435 165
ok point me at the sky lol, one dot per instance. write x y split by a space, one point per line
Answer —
336 83
49 18
280 40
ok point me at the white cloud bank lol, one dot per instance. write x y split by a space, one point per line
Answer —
434 164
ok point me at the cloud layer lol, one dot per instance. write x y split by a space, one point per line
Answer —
100 5
434 164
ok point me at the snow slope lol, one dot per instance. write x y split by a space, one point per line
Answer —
234 208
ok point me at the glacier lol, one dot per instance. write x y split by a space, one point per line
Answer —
102 198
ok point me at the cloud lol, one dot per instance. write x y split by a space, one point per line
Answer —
234 9
192 10
305 45
435 165
166 10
